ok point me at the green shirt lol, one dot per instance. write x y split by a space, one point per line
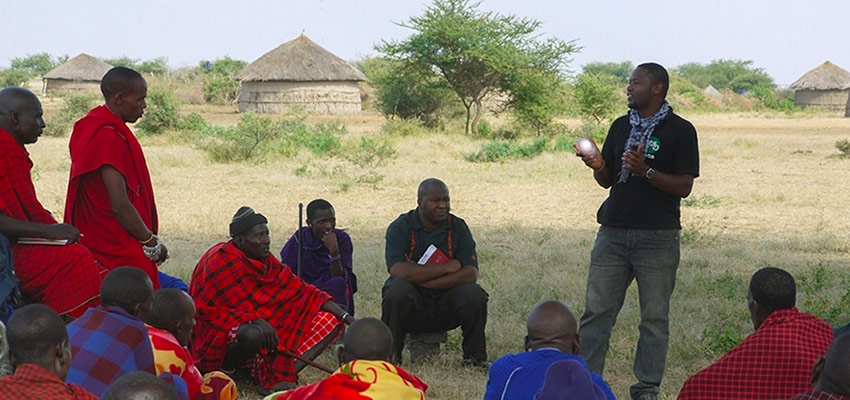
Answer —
398 239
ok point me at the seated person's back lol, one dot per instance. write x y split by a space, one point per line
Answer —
773 362
552 336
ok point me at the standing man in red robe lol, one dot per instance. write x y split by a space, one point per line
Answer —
63 277
110 196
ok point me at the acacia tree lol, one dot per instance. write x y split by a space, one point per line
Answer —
476 51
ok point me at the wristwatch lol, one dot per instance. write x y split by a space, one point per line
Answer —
649 173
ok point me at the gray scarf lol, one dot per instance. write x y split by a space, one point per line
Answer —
642 129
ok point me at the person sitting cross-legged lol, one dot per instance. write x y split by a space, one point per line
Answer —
552 336
326 255
253 312
39 346
776 360
365 371
112 340
170 323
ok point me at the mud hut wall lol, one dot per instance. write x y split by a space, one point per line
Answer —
332 97
835 100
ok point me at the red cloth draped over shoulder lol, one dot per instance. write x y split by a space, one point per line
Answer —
102 138
774 362
230 289
65 278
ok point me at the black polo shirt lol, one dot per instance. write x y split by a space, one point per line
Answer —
637 204
399 239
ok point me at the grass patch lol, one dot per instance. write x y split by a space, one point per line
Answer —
704 201
503 150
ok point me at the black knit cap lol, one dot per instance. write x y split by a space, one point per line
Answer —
245 219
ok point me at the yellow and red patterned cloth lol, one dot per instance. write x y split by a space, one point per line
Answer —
170 356
361 380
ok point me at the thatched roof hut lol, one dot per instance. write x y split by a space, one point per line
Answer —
826 86
302 73
81 73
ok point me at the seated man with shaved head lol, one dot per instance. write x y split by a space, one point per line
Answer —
140 385
170 323
255 313
65 278
552 336
112 340
831 374
365 370
776 360
42 357
440 293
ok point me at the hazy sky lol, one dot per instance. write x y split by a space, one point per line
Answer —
786 38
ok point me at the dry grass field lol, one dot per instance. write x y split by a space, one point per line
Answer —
771 193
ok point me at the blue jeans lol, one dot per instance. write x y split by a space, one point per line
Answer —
619 256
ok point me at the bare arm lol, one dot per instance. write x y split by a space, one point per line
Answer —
15 228
337 312
418 274
467 274
124 211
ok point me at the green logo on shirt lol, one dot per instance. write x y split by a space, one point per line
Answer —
653 145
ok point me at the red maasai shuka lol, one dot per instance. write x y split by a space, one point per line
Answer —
230 289
773 362
31 381
65 278
102 138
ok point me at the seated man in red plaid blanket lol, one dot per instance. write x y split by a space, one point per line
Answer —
253 312
776 360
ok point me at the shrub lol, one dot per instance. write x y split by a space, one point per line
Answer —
251 139
76 105
321 139
369 153
220 84
13 77
844 147
502 150
402 127
597 97
162 113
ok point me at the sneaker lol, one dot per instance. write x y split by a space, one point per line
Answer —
647 396
424 345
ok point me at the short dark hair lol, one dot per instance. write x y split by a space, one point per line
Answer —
428 184
657 74
316 205
125 287
140 385
33 331
118 80
166 309
368 339
774 289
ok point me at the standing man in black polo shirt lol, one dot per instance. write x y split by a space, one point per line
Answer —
434 297
649 162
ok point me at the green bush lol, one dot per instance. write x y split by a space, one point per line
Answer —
76 106
320 139
220 84
598 97
502 150
369 153
402 127
252 138
844 147
13 77
162 113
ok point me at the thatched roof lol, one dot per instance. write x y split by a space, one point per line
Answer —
80 68
300 59
827 76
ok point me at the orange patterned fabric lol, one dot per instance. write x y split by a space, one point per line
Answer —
170 356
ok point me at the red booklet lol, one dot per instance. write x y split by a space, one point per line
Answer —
433 255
